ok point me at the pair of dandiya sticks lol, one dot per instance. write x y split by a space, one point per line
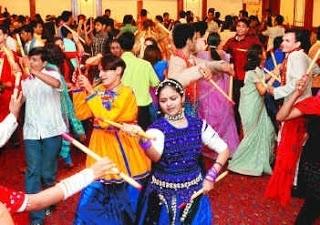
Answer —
125 177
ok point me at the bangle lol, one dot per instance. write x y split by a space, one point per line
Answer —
211 175
76 183
145 145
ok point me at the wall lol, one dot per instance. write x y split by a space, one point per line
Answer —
255 8
158 7
55 8
286 10
20 7
226 7
119 8
316 14
195 6
87 7
299 9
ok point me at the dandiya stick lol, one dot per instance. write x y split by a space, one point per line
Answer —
95 156
273 59
200 192
119 125
271 74
315 58
20 45
230 93
72 31
221 91
203 72
26 69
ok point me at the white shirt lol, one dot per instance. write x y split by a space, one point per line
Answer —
43 117
7 127
298 63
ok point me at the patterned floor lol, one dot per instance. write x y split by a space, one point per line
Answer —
237 200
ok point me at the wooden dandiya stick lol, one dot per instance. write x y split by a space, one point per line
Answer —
23 54
203 72
20 45
271 74
314 60
214 84
200 192
230 93
73 32
119 125
95 156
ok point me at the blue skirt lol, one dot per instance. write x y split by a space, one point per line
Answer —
152 212
102 204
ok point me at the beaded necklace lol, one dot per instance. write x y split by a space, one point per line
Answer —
176 117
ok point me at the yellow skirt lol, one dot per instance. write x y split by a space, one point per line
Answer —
122 149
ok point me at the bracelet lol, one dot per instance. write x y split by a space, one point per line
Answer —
76 183
211 175
145 145
93 94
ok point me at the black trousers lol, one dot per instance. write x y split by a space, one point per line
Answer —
144 116
237 85
309 212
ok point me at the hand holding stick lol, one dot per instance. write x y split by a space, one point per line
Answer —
74 33
95 156
120 126
314 60
204 73
271 74
200 192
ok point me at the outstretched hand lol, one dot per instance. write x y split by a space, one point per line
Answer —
131 129
102 167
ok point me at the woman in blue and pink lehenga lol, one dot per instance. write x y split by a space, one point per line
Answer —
177 169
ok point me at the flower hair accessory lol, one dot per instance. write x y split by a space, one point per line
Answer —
172 83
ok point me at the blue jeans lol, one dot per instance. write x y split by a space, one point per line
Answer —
41 158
